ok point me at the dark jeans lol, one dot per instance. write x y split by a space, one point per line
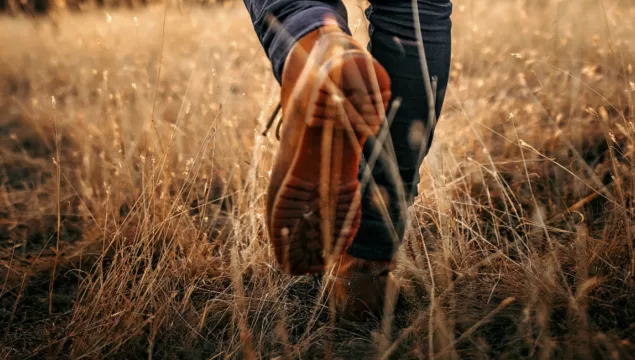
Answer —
393 42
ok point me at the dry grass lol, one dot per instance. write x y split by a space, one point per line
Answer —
133 179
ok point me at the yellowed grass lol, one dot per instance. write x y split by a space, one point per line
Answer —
153 243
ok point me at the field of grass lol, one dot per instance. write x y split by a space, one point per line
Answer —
133 177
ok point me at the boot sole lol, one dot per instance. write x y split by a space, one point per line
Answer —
316 212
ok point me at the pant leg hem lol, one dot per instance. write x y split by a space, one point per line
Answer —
371 253
295 27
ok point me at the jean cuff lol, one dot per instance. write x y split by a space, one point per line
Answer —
295 27
371 253
374 241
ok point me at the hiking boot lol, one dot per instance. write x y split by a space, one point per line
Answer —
333 96
361 288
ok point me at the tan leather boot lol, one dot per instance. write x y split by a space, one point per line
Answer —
334 95
361 287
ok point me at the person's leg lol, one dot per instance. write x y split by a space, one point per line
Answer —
332 98
393 43
363 280
279 24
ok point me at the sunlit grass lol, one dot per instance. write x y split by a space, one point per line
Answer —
520 245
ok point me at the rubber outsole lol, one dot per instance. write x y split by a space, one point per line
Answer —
316 211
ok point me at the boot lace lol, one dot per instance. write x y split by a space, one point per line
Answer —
271 120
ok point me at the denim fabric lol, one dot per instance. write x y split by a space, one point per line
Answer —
393 43
279 23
